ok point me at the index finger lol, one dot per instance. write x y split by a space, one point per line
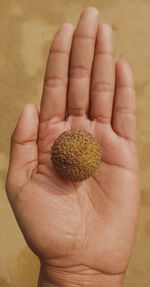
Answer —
53 103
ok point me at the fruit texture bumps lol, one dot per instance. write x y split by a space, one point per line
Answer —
75 155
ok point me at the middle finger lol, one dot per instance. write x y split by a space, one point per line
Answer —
81 62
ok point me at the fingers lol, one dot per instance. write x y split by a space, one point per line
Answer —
23 155
103 76
53 103
124 119
81 62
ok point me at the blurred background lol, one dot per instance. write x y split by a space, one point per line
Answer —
26 31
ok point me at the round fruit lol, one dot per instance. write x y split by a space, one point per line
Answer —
76 155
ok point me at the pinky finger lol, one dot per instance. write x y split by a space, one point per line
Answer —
124 109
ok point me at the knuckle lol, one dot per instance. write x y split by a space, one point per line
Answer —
103 86
125 110
101 118
13 186
54 82
79 72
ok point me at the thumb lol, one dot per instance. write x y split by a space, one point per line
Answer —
23 152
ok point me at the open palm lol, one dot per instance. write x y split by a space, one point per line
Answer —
89 225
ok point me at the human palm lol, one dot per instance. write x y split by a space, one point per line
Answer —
88 226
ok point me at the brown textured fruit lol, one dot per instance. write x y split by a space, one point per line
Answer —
76 155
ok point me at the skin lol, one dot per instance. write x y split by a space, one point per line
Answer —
83 233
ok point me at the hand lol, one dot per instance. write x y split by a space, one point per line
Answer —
88 228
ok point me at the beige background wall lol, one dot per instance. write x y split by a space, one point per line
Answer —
26 30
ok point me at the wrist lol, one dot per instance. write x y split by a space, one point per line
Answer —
77 277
